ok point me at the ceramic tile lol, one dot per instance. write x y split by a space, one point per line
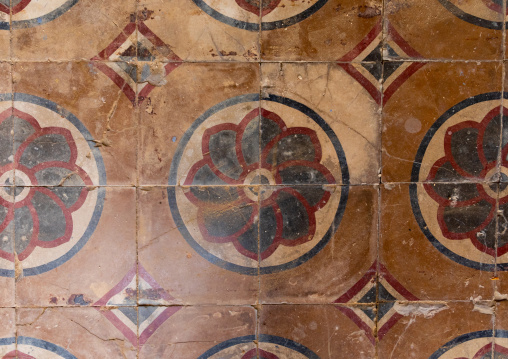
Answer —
458 102
438 238
190 246
307 255
204 332
453 29
67 29
306 331
8 331
66 248
52 333
100 127
452 330
317 30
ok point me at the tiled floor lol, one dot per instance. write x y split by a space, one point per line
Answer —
247 179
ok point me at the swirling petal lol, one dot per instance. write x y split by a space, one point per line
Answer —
53 222
462 145
213 195
54 176
24 230
295 218
222 150
223 222
292 147
45 148
267 228
457 221
305 173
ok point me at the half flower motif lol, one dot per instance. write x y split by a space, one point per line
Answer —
466 182
258 175
42 185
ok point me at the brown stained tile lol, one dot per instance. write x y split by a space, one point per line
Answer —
170 112
320 275
194 331
501 325
451 330
449 94
453 29
346 123
52 332
67 29
319 331
107 117
179 252
333 29
104 242
194 35
417 250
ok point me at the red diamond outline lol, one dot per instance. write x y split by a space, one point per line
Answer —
104 55
366 83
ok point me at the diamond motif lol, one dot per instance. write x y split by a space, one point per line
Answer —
387 292
149 316
369 52
127 60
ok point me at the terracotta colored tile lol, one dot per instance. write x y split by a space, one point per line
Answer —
83 269
176 107
324 268
8 331
177 248
320 331
67 29
445 29
194 35
452 330
417 131
416 247
194 332
346 123
100 118
49 332
318 30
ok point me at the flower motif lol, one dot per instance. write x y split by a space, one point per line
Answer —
31 157
256 172
466 182
498 352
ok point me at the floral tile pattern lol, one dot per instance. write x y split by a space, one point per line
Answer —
246 179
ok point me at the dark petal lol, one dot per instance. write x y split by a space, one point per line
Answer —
68 195
52 223
503 226
458 192
22 130
267 228
491 139
465 151
52 176
467 218
226 222
205 176
222 148
7 233
505 131
302 175
23 228
6 141
313 194
216 194
487 236
52 147
446 173
295 218
269 130
250 142
292 148
249 239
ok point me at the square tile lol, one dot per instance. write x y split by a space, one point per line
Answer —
83 107
204 30
49 332
343 126
67 29
454 100
199 96
318 30
76 268
463 330
453 29
204 331
314 256
424 239
314 331
191 252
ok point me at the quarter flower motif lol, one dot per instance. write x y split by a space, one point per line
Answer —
258 175
466 182
42 185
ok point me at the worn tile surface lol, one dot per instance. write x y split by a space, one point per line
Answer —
247 179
